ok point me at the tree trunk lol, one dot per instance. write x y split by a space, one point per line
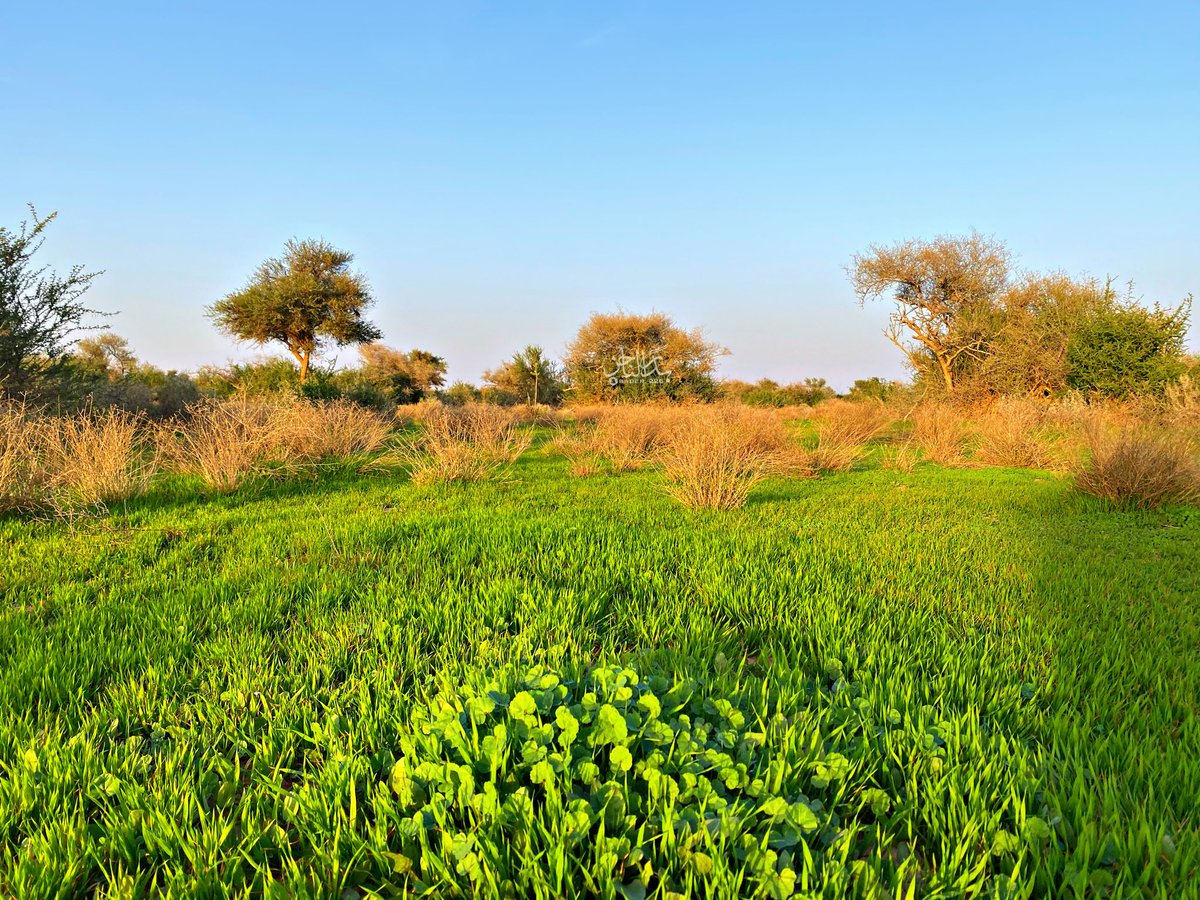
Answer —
302 357
946 373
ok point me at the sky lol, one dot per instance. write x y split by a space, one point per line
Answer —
501 170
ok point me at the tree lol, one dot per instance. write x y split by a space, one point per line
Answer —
945 291
530 376
623 356
403 377
39 311
307 298
106 354
1124 348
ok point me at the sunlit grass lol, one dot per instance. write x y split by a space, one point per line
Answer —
210 694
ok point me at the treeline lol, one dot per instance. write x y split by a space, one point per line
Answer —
968 324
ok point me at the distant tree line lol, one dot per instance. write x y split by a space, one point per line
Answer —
966 322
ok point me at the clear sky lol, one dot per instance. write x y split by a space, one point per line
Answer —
503 169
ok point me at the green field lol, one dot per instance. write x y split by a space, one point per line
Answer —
970 682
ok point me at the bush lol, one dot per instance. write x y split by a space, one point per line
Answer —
713 457
464 443
223 441
628 437
941 433
1012 433
22 476
1140 469
686 786
314 431
96 458
843 430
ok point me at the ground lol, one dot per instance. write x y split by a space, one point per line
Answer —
208 693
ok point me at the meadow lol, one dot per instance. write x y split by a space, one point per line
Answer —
855 672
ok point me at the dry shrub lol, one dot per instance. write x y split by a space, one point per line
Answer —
843 430
464 443
223 441
96 457
629 437
23 478
1140 468
314 431
941 433
1014 433
579 447
713 457
899 459
1182 402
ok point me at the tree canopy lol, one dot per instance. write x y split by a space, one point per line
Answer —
306 298
39 310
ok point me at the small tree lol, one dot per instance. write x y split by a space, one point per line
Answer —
530 376
402 377
945 291
302 300
1125 349
106 354
39 311
623 356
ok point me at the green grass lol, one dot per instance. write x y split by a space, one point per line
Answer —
977 682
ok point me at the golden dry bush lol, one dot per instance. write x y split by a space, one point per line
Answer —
714 457
899 459
1015 433
464 443
578 445
628 437
1140 468
96 457
843 430
941 433
335 428
23 478
223 441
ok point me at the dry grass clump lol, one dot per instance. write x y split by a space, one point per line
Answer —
96 458
1182 402
899 459
941 433
1140 468
314 431
629 437
23 478
578 445
223 441
843 430
1014 433
714 457
464 443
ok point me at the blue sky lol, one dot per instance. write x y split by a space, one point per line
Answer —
503 169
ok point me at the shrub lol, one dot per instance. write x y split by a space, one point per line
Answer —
540 767
941 433
843 430
578 445
313 431
1140 469
628 437
1013 433
96 458
899 459
223 441
714 457
1183 401
22 475
464 443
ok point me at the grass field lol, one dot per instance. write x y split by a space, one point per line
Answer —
969 682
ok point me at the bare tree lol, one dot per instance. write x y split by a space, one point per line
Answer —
945 290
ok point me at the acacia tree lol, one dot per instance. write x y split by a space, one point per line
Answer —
39 310
403 377
304 299
945 291
639 357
